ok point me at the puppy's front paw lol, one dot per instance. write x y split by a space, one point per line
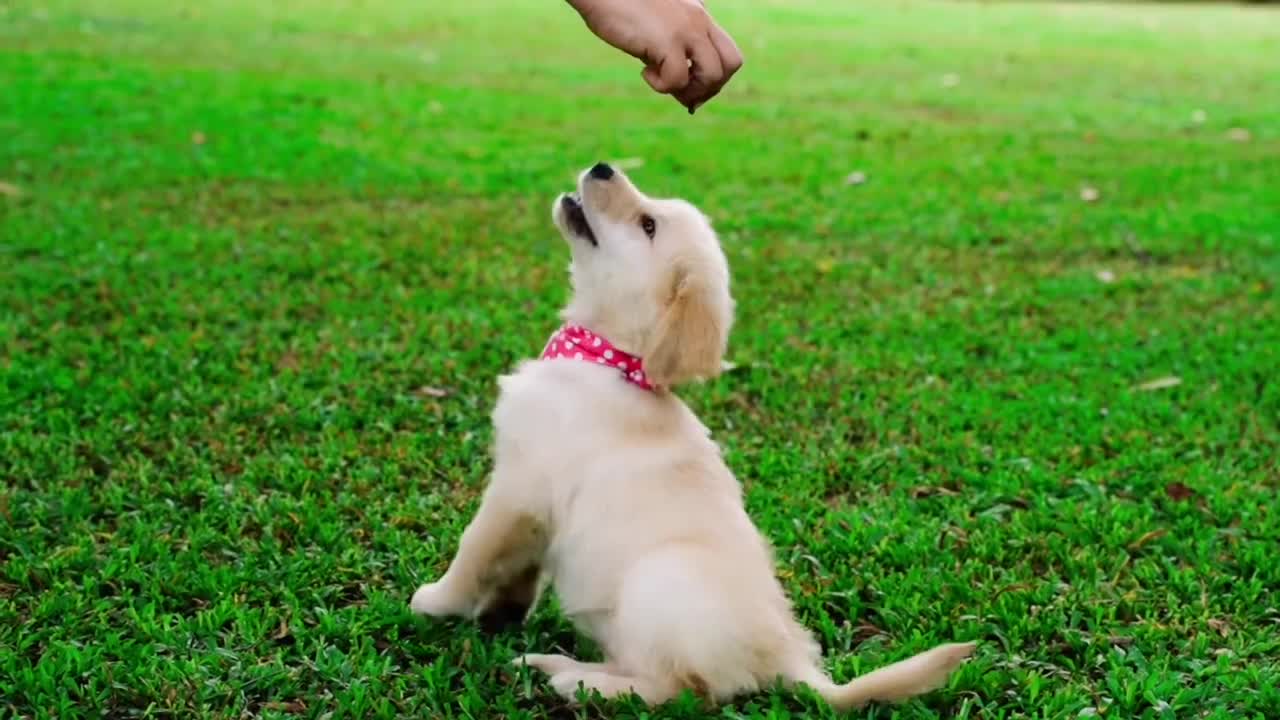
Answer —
947 658
934 666
568 683
549 664
435 600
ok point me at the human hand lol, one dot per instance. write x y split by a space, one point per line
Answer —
685 53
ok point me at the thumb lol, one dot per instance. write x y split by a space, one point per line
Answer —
669 74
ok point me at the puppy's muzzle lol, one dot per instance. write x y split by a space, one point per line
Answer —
576 218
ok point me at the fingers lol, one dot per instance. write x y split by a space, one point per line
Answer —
706 75
715 58
686 54
670 73
730 55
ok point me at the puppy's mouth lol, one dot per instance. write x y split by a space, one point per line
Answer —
576 218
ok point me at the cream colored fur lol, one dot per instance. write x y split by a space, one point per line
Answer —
619 497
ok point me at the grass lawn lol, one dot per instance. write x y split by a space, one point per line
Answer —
260 264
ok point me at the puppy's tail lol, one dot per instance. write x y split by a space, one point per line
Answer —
894 683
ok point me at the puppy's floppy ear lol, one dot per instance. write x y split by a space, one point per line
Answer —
689 340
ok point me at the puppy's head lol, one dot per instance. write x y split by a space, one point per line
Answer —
648 274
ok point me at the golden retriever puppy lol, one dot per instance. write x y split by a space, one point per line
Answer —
607 485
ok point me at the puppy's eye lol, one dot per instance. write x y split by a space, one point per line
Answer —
649 226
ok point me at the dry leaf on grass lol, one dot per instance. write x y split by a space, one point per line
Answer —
864 631
434 392
925 491
1148 537
1221 626
1016 587
1239 134
198 138
959 537
8 189
1178 491
1159 383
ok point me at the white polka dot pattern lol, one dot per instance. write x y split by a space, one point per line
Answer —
578 343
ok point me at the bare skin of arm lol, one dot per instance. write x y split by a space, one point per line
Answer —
685 53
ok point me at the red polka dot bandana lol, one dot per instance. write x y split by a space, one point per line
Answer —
578 343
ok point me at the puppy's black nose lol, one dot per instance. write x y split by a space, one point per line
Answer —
601 171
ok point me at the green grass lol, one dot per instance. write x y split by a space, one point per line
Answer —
238 244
